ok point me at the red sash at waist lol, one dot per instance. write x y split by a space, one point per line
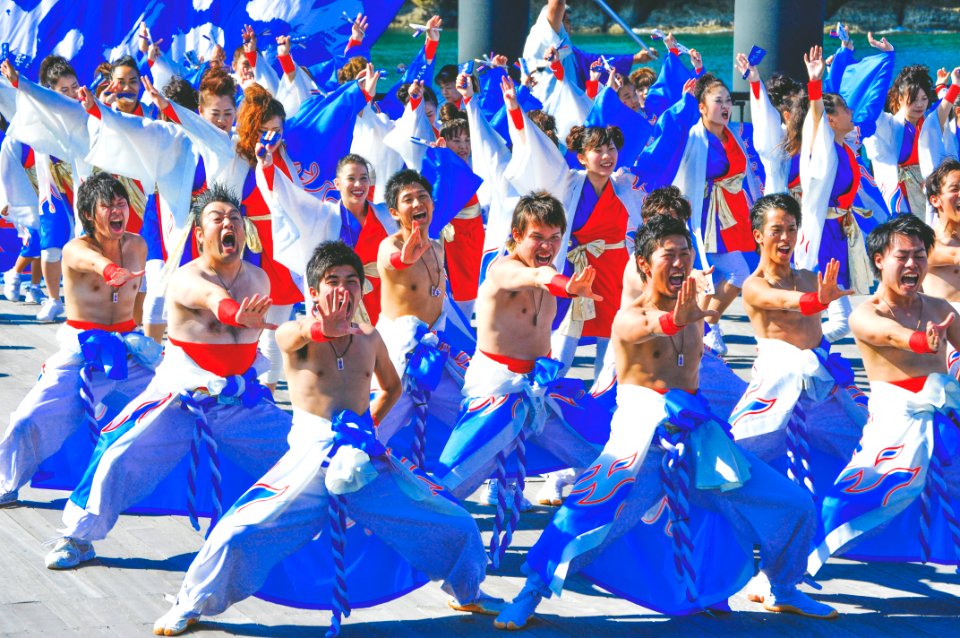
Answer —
913 385
518 366
123 326
222 359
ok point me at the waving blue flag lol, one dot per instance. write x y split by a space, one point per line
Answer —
608 110
88 32
454 185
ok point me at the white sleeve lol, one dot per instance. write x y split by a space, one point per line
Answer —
369 132
293 94
930 147
49 122
17 193
537 163
213 145
8 99
413 123
488 152
265 76
818 170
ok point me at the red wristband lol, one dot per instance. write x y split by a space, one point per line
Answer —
668 325
516 116
171 114
227 311
286 63
316 333
558 286
557 67
953 93
353 43
810 304
366 95
815 90
396 260
755 87
430 49
16 82
593 87
109 272
94 111
918 343
251 57
465 100
675 51
415 102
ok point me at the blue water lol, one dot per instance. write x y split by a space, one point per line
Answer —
934 50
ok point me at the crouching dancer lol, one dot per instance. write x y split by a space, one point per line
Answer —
516 404
335 468
99 354
897 499
665 442
204 399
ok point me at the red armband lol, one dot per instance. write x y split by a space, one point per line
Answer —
593 87
286 63
251 58
952 93
353 43
516 116
668 325
810 304
109 272
396 260
465 100
558 286
316 333
227 311
815 90
95 111
366 95
171 114
755 87
430 49
918 343
557 67
16 82
415 102
675 51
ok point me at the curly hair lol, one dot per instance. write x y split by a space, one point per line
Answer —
583 138
351 69
217 83
182 92
258 106
908 84
54 67
453 122
706 83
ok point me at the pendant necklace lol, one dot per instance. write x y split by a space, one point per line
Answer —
340 355
679 350
116 289
223 283
537 305
894 315
434 285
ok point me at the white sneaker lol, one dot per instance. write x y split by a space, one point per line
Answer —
35 295
552 492
714 340
175 622
11 285
69 552
50 310
491 494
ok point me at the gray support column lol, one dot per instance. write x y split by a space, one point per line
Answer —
492 25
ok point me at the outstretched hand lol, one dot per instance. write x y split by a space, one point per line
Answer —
332 315
936 332
509 93
359 28
433 28
415 245
86 98
880 44
10 72
743 65
827 288
121 276
688 309
249 38
157 97
370 77
253 313
814 63
581 284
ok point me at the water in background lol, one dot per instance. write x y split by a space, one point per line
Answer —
934 50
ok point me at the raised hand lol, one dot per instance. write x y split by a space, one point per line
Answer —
9 72
416 89
433 28
121 276
509 93
827 288
614 81
249 38
415 245
253 313
814 62
283 45
157 97
955 76
687 310
86 98
332 315
670 41
153 52
942 75
464 86
743 65
551 54
267 146
144 44
109 94
596 68
359 28
645 55
697 61
370 79
581 284
499 60
689 86
936 332
881 44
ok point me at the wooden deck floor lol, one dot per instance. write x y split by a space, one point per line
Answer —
122 592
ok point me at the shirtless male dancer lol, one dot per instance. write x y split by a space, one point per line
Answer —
205 393
664 439
101 272
329 363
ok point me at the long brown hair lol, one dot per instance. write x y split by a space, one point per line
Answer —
257 107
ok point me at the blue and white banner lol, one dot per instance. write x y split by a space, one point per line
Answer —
88 32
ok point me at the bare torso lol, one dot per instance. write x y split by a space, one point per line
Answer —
514 323
797 329
655 363
408 292
87 296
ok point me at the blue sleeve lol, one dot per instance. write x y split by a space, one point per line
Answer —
668 88
608 110
418 69
491 97
864 88
841 60
322 130
527 103
454 184
622 63
660 159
